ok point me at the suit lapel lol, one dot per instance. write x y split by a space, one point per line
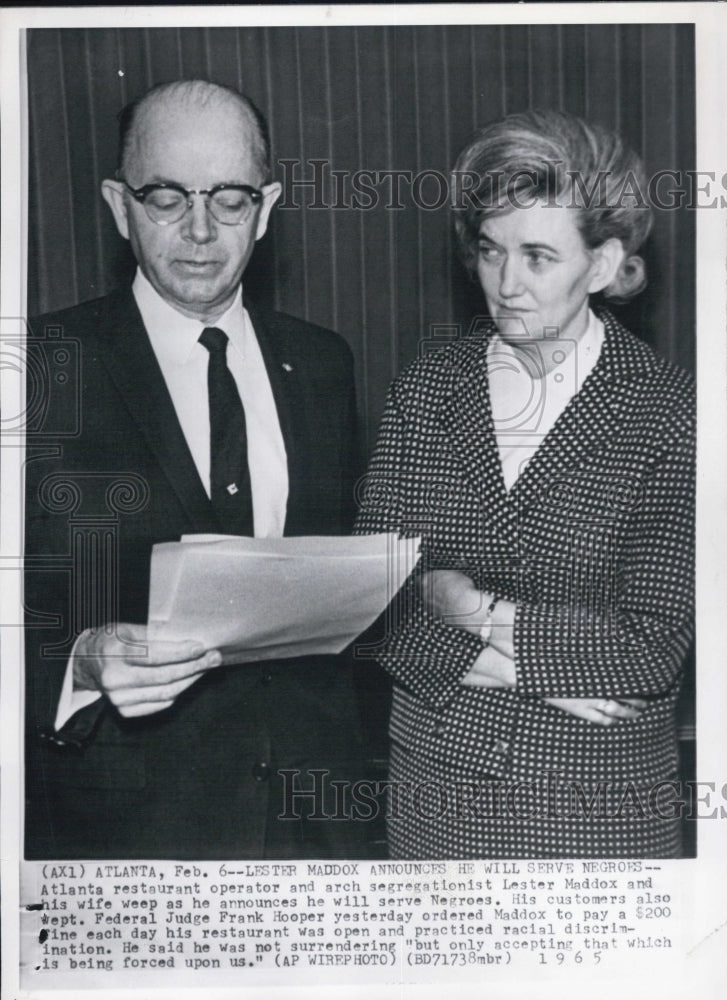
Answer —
466 418
591 419
585 428
132 365
293 414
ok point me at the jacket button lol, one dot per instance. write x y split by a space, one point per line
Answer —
261 771
439 729
267 678
502 746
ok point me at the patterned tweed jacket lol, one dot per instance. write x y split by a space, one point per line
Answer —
594 542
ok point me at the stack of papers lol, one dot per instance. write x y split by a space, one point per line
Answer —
264 598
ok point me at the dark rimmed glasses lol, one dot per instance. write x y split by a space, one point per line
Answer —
230 204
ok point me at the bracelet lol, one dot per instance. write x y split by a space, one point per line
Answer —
486 629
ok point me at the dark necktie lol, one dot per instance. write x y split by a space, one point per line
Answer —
230 490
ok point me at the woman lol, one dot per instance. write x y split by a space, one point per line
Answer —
547 465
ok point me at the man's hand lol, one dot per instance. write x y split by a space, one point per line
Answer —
138 676
603 711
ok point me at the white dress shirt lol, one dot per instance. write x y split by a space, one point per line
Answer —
183 361
525 406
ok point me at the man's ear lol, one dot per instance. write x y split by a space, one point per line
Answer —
607 259
271 193
113 195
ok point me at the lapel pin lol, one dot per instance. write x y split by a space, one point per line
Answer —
287 367
232 489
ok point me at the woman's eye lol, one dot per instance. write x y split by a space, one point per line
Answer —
537 258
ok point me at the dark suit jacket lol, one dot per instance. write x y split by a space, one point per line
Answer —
594 543
108 475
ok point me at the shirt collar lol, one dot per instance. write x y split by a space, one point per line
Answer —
174 336
587 351
591 342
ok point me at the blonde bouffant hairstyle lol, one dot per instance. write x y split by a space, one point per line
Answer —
558 158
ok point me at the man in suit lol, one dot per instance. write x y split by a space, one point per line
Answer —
197 414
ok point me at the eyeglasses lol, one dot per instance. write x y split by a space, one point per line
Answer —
230 204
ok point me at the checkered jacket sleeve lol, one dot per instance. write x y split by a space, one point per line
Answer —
635 643
421 653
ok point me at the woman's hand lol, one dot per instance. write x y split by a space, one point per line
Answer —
603 711
452 597
491 669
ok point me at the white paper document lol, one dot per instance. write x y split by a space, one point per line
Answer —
264 598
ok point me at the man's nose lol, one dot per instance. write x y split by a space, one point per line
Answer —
198 224
511 278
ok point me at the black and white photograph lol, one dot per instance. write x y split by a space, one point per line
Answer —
364 569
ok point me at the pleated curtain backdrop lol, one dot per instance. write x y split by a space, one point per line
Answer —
372 99
361 98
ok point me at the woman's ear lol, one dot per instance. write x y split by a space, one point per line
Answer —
607 259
